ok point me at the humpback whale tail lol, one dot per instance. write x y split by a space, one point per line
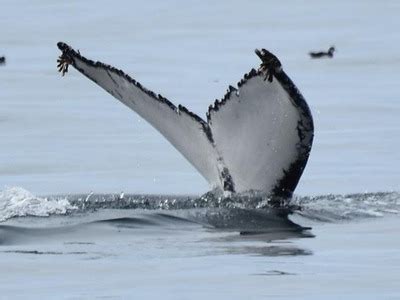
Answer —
257 137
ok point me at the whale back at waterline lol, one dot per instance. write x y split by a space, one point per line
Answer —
258 137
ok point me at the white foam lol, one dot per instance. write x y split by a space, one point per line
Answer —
18 202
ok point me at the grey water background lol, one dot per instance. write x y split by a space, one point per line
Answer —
65 137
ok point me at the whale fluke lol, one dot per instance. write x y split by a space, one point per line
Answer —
257 137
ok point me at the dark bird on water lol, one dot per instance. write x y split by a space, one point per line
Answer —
322 54
2 60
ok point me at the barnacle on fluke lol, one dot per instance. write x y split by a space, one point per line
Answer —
270 63
64 60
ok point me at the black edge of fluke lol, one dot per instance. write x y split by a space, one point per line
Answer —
68 58
231 91
285 187
272 68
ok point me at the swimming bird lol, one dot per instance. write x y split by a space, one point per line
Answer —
321 54
258 137
2 60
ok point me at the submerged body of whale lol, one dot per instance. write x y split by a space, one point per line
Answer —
257 138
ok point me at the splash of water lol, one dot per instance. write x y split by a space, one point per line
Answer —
18 202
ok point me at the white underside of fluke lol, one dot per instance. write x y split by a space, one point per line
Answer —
178 127
251 137
256 134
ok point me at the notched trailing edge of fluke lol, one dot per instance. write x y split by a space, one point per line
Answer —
231 90
270 66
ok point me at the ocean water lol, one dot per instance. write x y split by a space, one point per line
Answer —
94 203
